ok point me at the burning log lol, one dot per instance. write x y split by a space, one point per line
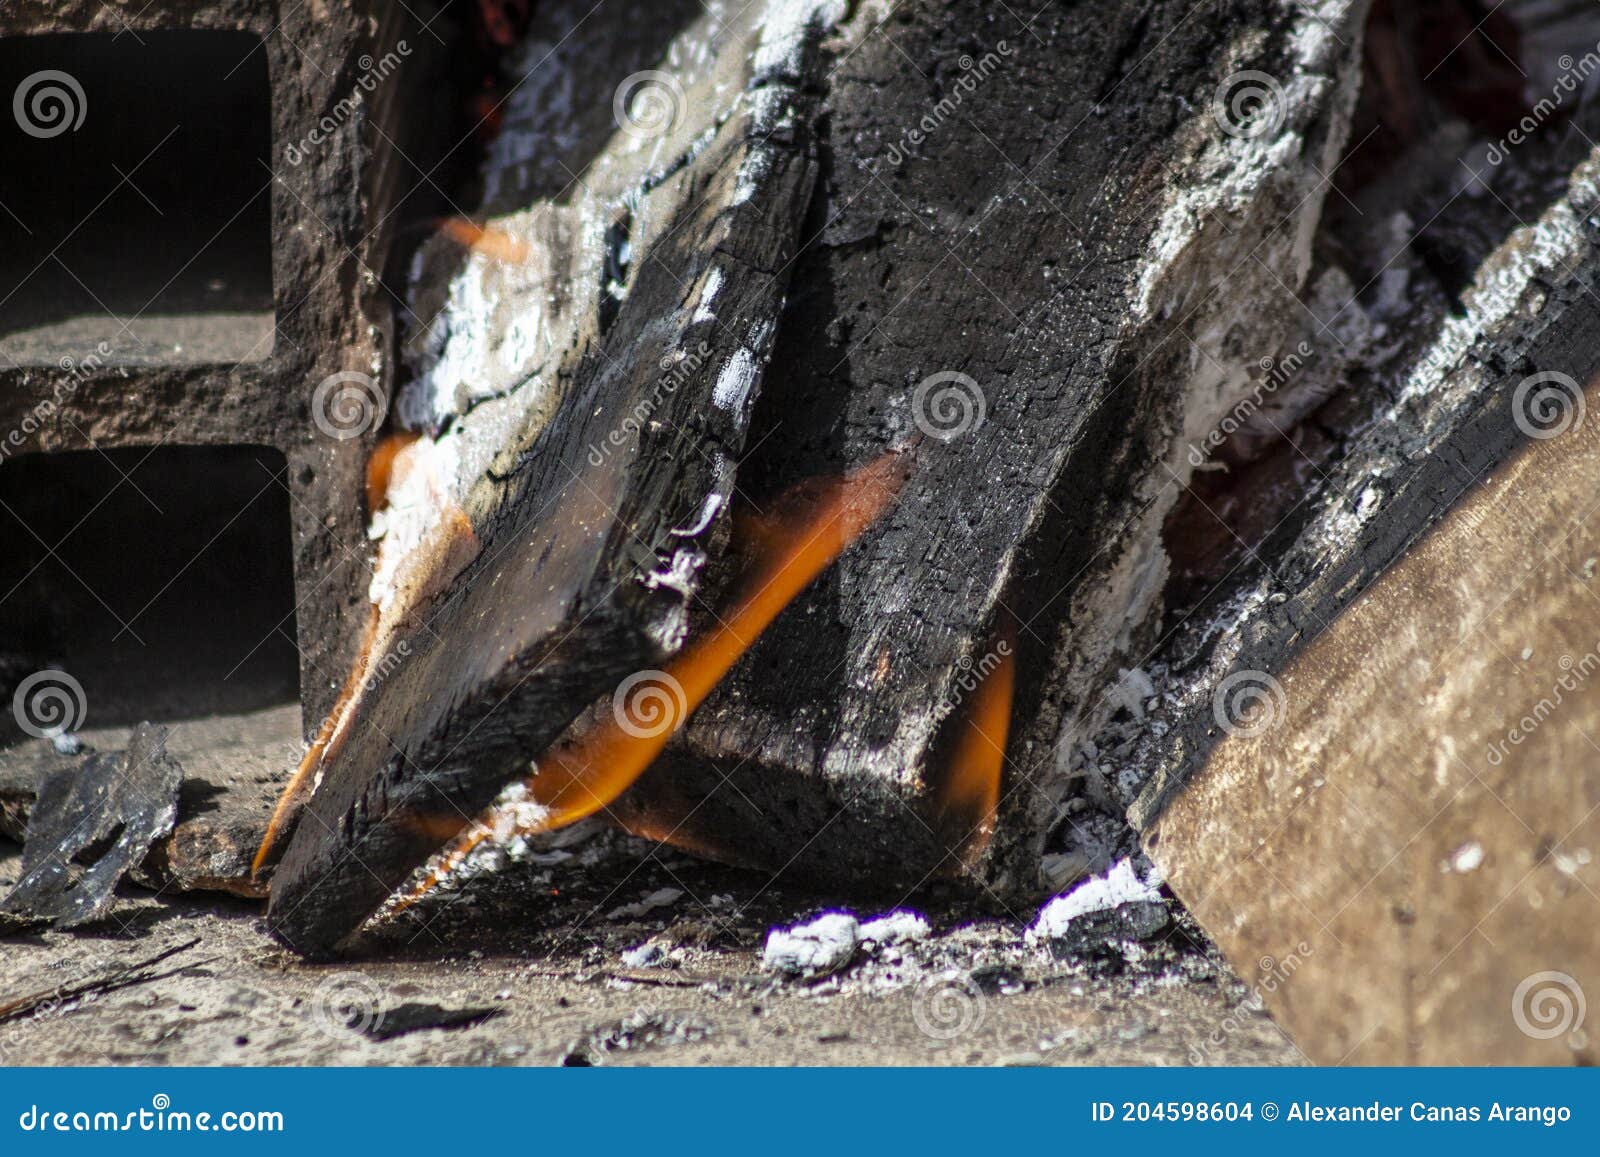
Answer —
549 552
562 512
1133 270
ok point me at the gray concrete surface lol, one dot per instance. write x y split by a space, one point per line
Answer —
543 945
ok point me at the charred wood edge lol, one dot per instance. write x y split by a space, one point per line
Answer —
1073 696
1425 461
232 768
130 795
456 724
118 977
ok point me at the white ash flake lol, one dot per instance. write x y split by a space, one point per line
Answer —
1133 689
825 945
1467 858
708 295
831 941
419 492
708 511
783 34
679 575
660 898
646 955
736 381
897 927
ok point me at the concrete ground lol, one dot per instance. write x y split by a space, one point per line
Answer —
542 945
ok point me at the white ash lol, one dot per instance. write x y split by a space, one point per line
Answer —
897 927
1130 692
1087 841
1467 858
736 381
1124 902
646 955
660 898
825 945
67 743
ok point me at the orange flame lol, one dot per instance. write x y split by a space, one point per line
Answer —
583 774
970 797
440 556
312 760
381 467
493 243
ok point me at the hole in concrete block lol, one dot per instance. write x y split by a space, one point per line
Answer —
161 580
135 206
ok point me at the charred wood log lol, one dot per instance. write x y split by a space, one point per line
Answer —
1059 278
579 485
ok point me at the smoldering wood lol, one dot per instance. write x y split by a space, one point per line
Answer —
1137 260
90 826
600 507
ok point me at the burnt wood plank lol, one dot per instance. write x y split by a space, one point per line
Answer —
1373 758
589 528
1048 254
